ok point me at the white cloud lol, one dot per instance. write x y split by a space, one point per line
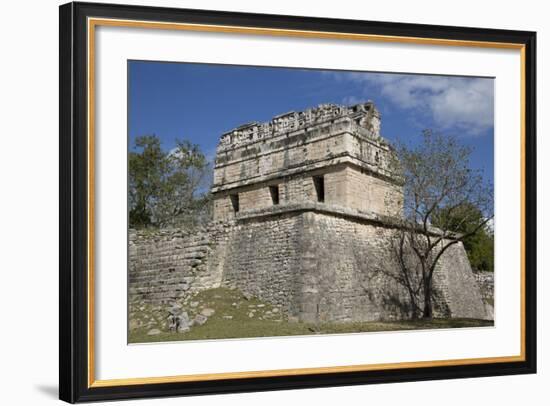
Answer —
349 100
452 102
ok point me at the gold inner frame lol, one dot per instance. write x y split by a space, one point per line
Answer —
94 22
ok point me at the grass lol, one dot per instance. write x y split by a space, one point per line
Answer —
232 319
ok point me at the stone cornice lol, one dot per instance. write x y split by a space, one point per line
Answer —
327 163
338 211
365 115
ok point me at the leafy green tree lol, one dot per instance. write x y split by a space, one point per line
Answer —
479 245
167 188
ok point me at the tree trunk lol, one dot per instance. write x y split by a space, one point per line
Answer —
414 312
427 313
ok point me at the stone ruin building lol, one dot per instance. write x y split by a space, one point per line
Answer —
302 209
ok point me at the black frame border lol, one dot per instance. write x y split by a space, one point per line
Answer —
73 198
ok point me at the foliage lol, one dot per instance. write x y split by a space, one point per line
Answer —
479 245
439 186
167 188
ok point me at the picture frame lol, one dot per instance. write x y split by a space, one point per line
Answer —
78 380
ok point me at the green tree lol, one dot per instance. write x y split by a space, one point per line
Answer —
167 188
479 242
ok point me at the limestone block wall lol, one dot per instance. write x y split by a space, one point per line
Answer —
370 193
257 162
296 189
223 208
349 273
262 258
356 271
486 282
335 186
316 263
292 189
284 153
257 197
321 267
368 151
345 185
322 249
164 265
458 284
342 276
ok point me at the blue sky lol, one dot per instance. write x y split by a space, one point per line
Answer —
199 102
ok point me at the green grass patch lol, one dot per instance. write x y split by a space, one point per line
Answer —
237 317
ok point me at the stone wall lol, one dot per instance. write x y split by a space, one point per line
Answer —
486 282
366 192
256 152
168 264
316 262
343 272
290 149
262 258
262 162
458 284
345 185
304 208
347 273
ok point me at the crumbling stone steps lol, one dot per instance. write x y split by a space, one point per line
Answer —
152 282
163 258
163 268
176 261
167 266
176 287
158 298
170 245
175 248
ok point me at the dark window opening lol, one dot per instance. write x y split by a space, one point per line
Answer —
235 202
274 191
319 183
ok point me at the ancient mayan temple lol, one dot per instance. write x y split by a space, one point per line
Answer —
331 157
303 208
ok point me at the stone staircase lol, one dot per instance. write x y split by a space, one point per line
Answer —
166 265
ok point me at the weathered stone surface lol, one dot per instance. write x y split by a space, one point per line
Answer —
200 319
486 282
134 323
340 143
176 309
166 265
462 295
184 324
303 210
207 312
364 114
489 312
